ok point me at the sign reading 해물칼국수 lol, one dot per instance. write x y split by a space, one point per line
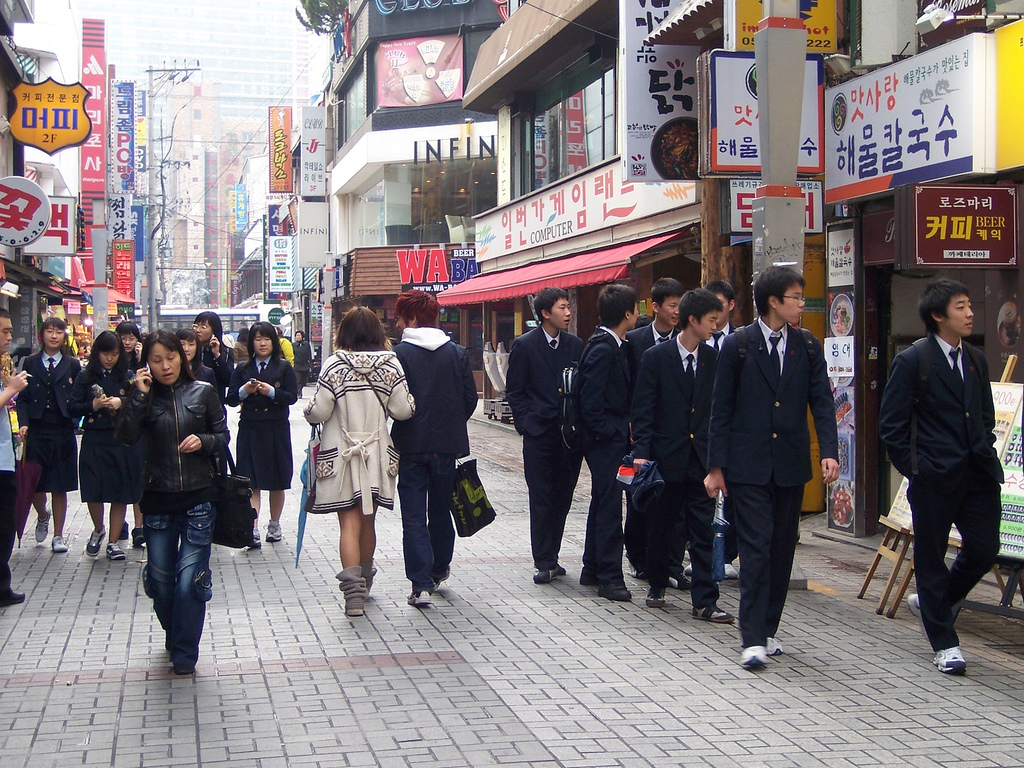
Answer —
965 226
50 116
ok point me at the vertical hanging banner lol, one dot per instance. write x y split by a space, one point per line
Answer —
141 137
241 210
123 252
122 136
137 230
280 136
93 154
313 153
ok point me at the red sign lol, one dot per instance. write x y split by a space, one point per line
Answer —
24 211
434 269
280 149
124 266
965 226
93 158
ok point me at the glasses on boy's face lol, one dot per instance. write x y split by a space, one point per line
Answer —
797 299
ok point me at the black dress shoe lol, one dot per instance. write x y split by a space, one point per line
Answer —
615 591
543 576
588 579
11 598
558 571
184 669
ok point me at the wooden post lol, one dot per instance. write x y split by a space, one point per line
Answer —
719 260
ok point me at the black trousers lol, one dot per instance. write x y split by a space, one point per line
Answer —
637 530
971 500
767 521
602 552
551 472
8 497
684 508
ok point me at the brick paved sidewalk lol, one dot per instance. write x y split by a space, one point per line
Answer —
499 672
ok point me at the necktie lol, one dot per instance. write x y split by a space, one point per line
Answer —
718 338
688 371
263 367
775 338
660 338
553 343
955 355
52 364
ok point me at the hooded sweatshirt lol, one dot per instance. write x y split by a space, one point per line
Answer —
442 384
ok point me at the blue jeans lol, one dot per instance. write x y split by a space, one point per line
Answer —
177 576
425 482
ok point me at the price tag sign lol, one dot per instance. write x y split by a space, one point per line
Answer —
839 356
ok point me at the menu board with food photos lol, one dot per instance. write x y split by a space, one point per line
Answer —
840 363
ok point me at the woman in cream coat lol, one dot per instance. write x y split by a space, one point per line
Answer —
360 386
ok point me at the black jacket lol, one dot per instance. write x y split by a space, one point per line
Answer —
951 428
534 378
167 415
758 428
280 375
222 367
303 355
605 387
442 384
640 340
668 426
80 404
32 399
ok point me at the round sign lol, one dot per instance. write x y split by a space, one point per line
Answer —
275 315
24 211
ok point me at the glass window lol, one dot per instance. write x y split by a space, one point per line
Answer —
354 108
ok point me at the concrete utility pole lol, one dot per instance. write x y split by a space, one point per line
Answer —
157 224
780 50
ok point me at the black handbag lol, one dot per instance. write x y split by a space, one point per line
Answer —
236 518
470 507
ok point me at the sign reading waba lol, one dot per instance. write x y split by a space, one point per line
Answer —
434 270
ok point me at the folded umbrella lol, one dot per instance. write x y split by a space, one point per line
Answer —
26 475
721 528
308 478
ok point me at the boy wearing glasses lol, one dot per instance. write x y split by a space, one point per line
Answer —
759 448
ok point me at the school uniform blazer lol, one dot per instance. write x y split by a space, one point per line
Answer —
534 379
759 429
32 399
605 387
951 428
80 403
280 375
669 426
223 367
640 340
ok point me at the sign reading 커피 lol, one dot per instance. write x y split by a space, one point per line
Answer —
50 116
965 226
24 211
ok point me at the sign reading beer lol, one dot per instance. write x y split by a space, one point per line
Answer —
50 116
965 226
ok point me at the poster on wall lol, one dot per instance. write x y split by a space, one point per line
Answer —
659 99
839 350
419 71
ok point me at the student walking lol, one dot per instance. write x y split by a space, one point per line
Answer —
265 387
9 389
108 471
190 344
303 359
940 385
360 387
214 355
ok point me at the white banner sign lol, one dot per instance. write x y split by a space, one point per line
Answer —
839 356
741 205
281 269
59 238
735 145
658 101
587 203
922 119
313 241
841 271
313 156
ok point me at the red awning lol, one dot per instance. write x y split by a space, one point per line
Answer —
585 269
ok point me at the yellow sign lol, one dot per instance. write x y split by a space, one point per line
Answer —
1009 104
819 16
50 116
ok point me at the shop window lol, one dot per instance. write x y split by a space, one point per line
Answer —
352 109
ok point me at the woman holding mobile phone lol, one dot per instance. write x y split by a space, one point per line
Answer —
185 429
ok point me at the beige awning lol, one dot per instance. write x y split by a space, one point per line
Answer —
509 57
694 22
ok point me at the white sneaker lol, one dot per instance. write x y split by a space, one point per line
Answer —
950 661
43 527
914 604
274 531
754 657
774 647
732 573
59 544
420 599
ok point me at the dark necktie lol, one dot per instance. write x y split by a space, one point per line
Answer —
718 338
776 359
688 371
660 337
52 365
553 343
955 356
263 367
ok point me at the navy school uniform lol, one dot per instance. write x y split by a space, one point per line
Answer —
109 471
263 449
43 407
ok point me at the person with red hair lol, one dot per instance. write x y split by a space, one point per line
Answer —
442 385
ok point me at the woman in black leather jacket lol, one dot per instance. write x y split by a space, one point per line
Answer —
185 428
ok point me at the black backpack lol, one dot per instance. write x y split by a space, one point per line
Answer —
569 410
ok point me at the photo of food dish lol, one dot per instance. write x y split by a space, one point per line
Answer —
674 149
1009 325
845 457
841 315
841 504
844 406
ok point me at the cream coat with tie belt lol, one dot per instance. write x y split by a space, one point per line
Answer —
355 394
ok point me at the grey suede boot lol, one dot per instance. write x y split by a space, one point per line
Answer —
353 586
368 573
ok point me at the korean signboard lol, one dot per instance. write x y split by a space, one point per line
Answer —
122 136
1009 104
59 238
24 211
818 16
918 120
313 152
137 230
93 154
419 71
313 231
50 116
238 199
734 145
280 137
434 269
587 203
119 210
964 226
281 266
839 350
658 99
741 205
123 253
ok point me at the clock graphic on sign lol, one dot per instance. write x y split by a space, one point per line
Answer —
24 211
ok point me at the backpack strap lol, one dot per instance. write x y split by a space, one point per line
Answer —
924 372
